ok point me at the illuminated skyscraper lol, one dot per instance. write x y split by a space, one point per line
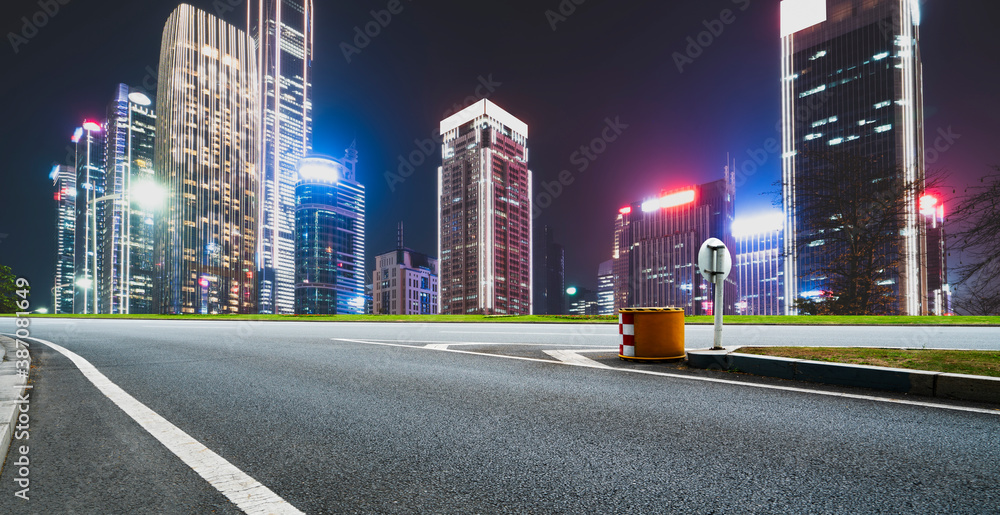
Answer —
283 31
657 243
64 180
851 82
90 186
484 213
758 264
329 237
606 287
207 155
126 279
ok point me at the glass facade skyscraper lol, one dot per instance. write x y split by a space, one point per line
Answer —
851 81
329 237
126 279
758 264
207 158
90 186
484 213
283 32
64 180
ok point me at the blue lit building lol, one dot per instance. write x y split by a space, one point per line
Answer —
64 180
126 279
852 82
329 236
758 264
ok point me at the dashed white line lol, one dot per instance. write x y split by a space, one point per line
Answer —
995 412
243 490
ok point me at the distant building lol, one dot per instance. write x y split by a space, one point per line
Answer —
656 248
90 186
64 180
283 33
758 263
851 81
329 237
555 275
938 289
126 277
405 282
484 213
207 159
606 288
583 302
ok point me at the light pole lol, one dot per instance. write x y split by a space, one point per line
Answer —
146 193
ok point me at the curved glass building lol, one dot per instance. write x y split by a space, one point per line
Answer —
329 237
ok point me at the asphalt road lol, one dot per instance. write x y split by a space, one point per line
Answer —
389 418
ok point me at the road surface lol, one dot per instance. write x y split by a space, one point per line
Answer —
474 418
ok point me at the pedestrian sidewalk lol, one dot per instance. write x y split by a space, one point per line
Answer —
12 385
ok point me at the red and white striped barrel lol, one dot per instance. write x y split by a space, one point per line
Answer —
626 328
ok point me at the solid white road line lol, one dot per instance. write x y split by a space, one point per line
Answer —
446 343
243 490
702 379
568 356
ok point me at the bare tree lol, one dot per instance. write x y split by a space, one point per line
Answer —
853 208
976 239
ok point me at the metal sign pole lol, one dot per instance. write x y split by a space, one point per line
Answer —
719 280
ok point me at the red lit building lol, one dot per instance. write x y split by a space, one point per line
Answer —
656 248
938 289
484 213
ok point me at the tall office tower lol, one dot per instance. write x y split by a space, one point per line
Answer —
126 280
938 289
851 81
329 237
656 248
606 288
207 158
555 275
758 264
405 282
90 189
484 213
283 31
64 180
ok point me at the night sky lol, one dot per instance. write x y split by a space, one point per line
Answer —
606 60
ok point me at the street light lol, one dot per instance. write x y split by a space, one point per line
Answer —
145 193
571 290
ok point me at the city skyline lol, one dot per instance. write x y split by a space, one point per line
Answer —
589 188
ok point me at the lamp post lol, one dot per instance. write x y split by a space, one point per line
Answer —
146 193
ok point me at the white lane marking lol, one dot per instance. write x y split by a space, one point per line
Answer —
446 343
703 379
568 356
560 333
244 491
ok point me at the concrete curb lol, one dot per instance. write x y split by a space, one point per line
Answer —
11 386
915 382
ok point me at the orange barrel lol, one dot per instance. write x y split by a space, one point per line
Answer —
651 333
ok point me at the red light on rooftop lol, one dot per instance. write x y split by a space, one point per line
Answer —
625 210
677 199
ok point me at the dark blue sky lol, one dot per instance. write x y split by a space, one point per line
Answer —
607 60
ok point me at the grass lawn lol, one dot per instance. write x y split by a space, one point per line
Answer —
570 319
975 362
